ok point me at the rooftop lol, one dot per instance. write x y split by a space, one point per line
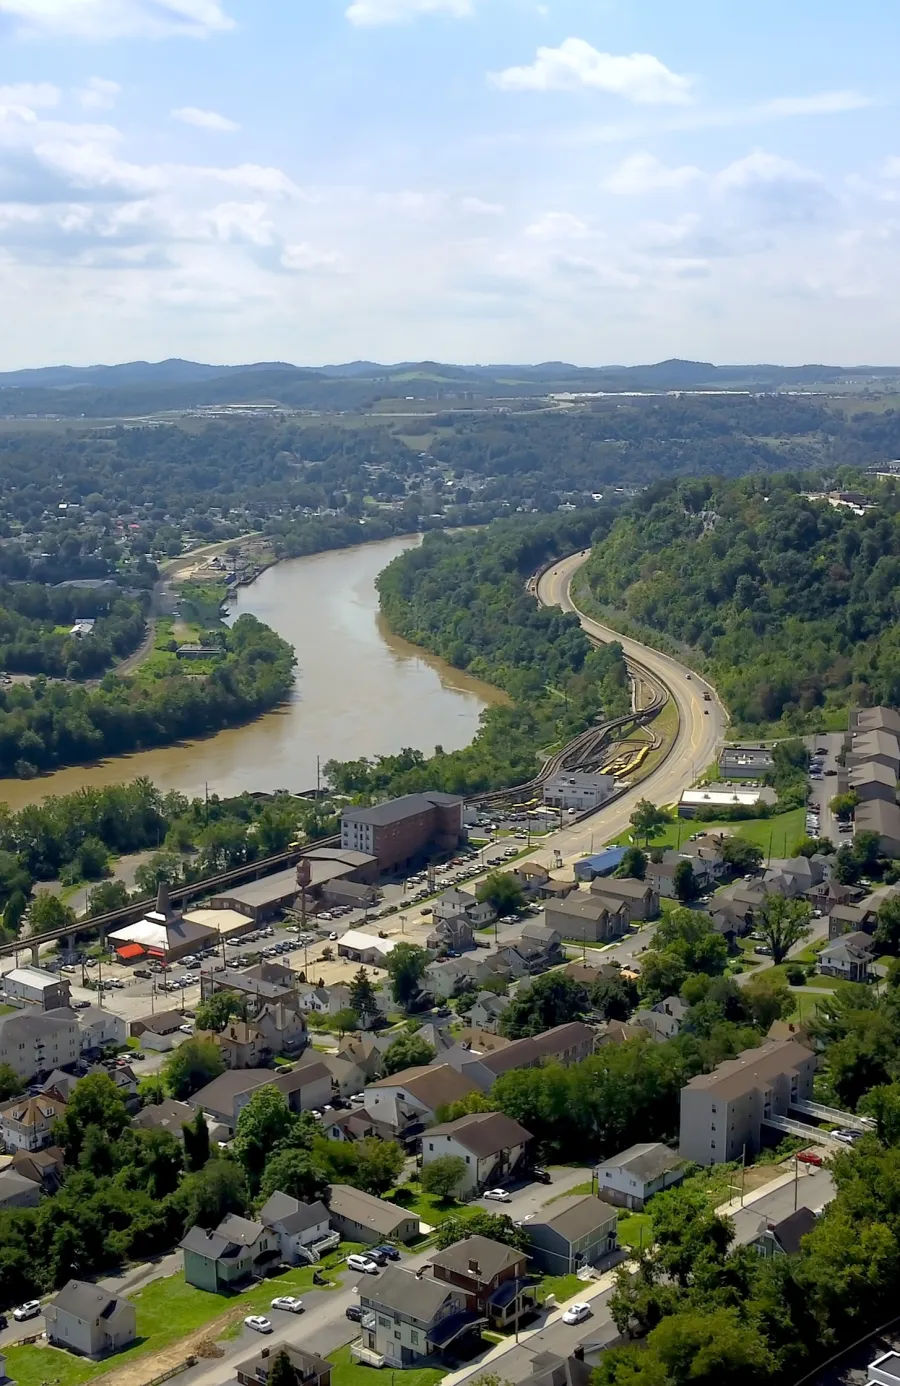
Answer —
395 810
751 1069
33 977
84 1301
420 1299
378 1214
576 1216
435 1085
480 1258
647 1161
524 1052
483 1133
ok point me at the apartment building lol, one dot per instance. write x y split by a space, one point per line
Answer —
722 1112
403 831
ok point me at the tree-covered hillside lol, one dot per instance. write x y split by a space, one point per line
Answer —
791 605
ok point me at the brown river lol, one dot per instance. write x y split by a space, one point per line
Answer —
360 691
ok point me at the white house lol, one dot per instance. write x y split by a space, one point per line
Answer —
89 1321
99 1028
629 1179
454 904
37 987
33 1041
849 957
491 1144
303 1229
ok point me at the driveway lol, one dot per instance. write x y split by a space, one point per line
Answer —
528 1199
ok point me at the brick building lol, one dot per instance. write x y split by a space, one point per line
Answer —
404 831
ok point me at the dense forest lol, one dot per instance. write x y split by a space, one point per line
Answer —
463 597
49 724
35 626
790 604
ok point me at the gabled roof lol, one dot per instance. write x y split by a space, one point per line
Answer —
293 1215
378 1214
395 810
791 1230
478 1258
483 1133
525 1052
576 1216
434 1085
647 1161
404 1292
84 1301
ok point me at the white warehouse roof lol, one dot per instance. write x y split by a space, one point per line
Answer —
365 943
32 977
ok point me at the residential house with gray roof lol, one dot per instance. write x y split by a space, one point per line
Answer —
629 1179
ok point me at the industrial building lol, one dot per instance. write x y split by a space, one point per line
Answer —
404 831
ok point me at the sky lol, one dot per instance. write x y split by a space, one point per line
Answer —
596 181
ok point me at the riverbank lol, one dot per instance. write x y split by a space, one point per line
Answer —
359 691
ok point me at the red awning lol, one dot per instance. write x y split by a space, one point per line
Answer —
129 951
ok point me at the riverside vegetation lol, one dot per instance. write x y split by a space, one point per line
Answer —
463 597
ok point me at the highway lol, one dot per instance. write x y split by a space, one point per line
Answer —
700 733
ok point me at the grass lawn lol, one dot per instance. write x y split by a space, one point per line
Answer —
428 1208
166 1311
349 1373
782 831
634 1230
586 1188
563 1286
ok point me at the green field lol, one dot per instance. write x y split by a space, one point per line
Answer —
634 1230
776 836
428 1208
349 1373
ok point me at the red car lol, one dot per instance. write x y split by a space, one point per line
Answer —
809 1157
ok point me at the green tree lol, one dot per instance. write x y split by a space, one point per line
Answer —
196 1143
691 936
685 883
706 1347
887 930
407 1051
549 1001
95 1103
206 1196
378 1165
344 1021
633 865
163 867
883 1104
502 891
13 913
783 923
221 1008
844 805
768 998
191 1066
282 1371
362 996
106 897
648 821
295 1173
742 855
663 973
47 912
264 1123
11 1084
614 998
443 1177
406 965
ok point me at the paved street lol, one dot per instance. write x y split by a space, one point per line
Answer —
822 791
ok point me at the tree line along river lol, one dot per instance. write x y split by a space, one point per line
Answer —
359 691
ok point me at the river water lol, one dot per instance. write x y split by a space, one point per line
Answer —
360 691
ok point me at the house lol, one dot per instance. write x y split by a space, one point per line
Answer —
885 1370
629 1179
846 919
26 1123
486 1011
34 986
587 918
444 979
303 1229
640 897
89 1321
347 1078
722 1112
879 747
491 1144
43 1167
867 719
523 958
707 866
476 1041
241 1044
403 831
883 819
413 1097
18 1191
306 1087
664 1020
564 1044
872 781
160 1032
769 1238
549 1369
531 876
573 1232
451 934
599 864
168 1116
827 894
492 1276
360 1217
238 1250
456 904
850 958
366 1051
308 1369
407 1317
546 938
100 1029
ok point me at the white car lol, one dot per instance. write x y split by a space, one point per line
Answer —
498 1195
29 1310
186 1029
258 1323
577 1313
361 1263
289 1303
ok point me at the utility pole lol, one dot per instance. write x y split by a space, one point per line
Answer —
796 1180
743 1171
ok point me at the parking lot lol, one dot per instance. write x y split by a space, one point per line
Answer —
820 821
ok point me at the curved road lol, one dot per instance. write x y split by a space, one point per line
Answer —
700 733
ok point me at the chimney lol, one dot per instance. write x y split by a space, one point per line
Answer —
474 1268
265 1352
162 899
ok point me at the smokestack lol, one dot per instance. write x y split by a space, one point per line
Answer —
162 899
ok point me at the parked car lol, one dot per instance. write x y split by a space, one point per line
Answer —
809 1157
498 1195
353 1312
375 1254
541 1175
390 1252
29 1310
361 1263
289 1303
577 1313
258 1323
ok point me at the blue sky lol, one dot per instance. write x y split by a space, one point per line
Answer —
471 180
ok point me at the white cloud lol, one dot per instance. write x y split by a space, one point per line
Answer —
478 208
558 226
374 12
761 168
30 94
114 19
98 94
254 177
820 103
306 258
205 120
891 167
638 77
644 173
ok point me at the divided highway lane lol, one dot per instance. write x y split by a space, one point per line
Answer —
700 734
